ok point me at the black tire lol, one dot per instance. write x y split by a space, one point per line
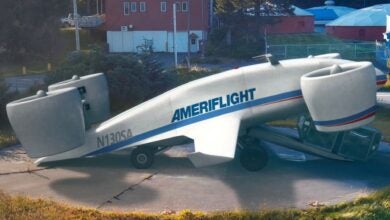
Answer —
254 158
142 158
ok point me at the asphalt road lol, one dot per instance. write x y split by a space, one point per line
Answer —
110 182
24 83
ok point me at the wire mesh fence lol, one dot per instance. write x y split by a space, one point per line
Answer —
23 78
383 54
352 51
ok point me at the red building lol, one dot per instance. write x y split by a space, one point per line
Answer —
364 33
366 24
131 24
292 24
300 22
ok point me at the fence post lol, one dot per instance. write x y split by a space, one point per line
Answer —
24 70
285 51
48 66
355 50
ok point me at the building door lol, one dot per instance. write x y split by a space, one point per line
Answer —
194 42
194 45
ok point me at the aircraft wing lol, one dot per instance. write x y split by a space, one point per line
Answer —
215 140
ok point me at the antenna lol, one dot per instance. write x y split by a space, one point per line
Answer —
272 60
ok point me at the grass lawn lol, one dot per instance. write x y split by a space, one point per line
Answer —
302 45
7 138
374 206
309 38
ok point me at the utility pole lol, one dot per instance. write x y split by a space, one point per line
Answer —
189 35
211 13
265 40
76 25
174 33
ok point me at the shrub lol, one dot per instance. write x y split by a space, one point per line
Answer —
5 97
131 78
185 75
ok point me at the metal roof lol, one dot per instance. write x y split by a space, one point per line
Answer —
329 12
370 16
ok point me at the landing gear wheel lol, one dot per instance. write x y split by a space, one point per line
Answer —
142 158
254 158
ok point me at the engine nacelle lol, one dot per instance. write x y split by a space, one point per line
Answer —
94 91
48 123
341 97
327 56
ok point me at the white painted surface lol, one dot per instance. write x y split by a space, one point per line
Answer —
154 121
130 41
383 99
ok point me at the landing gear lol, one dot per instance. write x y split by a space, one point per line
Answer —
253 155
142 157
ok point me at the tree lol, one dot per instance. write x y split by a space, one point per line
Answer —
227 12
243 23
250 15
131 78
29 28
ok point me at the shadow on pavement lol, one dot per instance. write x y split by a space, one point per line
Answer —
275 186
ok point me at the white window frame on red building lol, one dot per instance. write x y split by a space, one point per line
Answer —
133 6
142 6
163 6
126 8
178 6
185 3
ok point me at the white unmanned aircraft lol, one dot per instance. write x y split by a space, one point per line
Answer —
219 113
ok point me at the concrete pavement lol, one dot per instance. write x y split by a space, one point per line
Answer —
110 182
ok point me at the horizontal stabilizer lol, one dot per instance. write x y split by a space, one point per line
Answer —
202 160
215 140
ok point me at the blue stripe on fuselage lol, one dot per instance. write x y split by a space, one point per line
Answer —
381 77
270 99
346 120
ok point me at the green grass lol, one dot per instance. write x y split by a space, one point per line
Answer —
302 45
87 38
382 122
7 138
374 206
309 38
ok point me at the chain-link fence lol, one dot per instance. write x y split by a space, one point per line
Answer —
23 78
352 51
382 54
24 83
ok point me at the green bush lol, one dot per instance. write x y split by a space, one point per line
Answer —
185 75
5 97
131 78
